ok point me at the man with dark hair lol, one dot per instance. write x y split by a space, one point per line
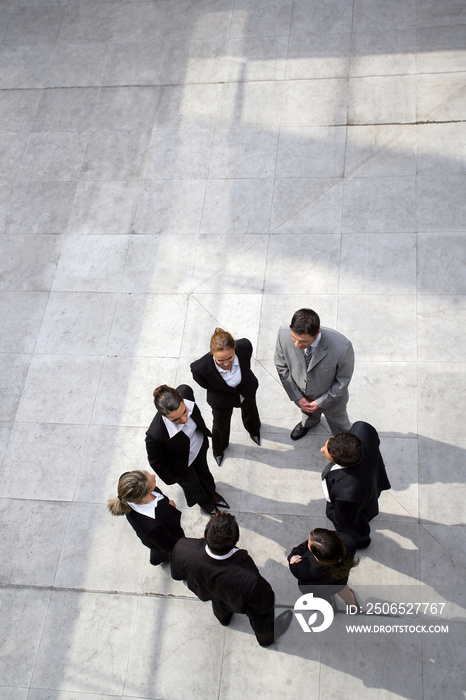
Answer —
177 444
216 570
353 480
315 366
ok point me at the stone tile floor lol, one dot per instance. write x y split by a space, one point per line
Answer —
173 165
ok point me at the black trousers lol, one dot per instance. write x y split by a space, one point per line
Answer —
361 531
261 623
222 421
200 488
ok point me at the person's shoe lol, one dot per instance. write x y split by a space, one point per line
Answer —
219 459
214 511
298 432
362 544
220 501
157 557
226 621
256 439
282 623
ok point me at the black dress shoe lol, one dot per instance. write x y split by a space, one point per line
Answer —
158 557
214 511
256 439
282 623
220 503
219 459
298 432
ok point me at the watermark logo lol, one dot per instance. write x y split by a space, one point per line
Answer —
307 604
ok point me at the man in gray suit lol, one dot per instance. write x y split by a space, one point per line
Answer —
315 366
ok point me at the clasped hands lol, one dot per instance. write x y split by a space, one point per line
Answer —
306 405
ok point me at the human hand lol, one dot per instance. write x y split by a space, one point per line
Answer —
304 404
172 503
296 559
312 407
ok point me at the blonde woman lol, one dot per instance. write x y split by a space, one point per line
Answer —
154 518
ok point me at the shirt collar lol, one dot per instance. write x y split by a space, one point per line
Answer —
147 508
173 429
221 556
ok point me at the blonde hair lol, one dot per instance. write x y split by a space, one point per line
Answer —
221 340
132 486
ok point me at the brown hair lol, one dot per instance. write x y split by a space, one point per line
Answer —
331 553
166 399
345 449
221 533
221 340
132 486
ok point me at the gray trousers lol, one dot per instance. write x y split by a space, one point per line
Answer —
337 418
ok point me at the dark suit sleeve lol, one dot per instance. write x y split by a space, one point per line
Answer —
298 551
344 515
197 376
161 532
176 569
186 392
261 597
245 347
158 459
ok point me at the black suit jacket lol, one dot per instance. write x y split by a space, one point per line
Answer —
235 582
219 394
163 532
167 456
354 491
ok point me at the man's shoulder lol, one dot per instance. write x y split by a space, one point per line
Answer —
364 430
284 334
334 337
189 544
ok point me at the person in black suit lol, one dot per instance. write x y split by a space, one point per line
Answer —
353 480
216 570
322 565
226 373
177 443
152 516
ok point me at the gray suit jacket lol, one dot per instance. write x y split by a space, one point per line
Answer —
330 373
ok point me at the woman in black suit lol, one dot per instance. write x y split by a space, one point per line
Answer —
322 565
226 373
154 518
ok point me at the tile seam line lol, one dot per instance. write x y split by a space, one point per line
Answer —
132 594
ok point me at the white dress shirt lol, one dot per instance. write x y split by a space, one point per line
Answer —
196 436
147 508
231 376
324 482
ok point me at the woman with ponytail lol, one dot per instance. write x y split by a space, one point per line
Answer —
226 373
154 518
322 564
